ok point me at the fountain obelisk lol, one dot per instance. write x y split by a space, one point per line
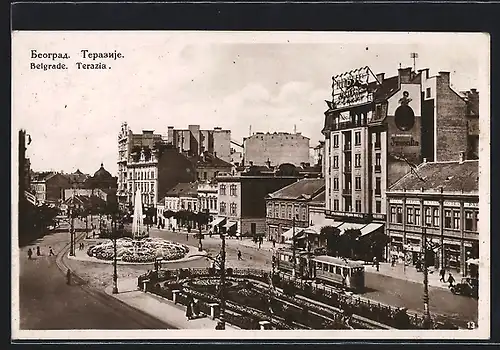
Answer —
137 223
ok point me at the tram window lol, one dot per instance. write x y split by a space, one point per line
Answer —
331 269
346 271
319 265
325 267
338 270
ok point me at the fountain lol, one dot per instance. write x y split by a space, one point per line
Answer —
137 223
140 248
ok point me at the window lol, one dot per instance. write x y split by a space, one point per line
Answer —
269 210
378 190
304 213
428 93
399 216
336 161
223 190
393 214
409 215
358 206
204 175
335 183
357 160
335 204
232 190
222 207
447 218
189 206
378 206
358 182
456 220
357 138
276 210
377 140
377 158
335 141
283 211
428 216
232 209
289 211
468 220
435 216
417 216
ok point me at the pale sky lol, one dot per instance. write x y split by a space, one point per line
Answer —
271 82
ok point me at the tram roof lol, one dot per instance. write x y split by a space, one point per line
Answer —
337 261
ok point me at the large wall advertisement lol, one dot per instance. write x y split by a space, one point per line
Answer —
351 88
403 131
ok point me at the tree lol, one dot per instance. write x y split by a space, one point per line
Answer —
349 242
332 236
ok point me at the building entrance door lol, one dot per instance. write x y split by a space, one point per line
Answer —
253 228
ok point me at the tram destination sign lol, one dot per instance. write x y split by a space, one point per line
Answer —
351 88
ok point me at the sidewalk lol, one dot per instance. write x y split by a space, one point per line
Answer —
410 273
160 308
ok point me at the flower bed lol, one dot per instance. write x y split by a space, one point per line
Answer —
144 250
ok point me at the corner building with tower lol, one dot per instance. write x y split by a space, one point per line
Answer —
378 129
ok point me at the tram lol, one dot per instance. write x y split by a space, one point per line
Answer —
284 262
339 271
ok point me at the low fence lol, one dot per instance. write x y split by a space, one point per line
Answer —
363 313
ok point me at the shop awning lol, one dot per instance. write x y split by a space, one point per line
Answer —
316 228
349 226
473 261
372 227
289 234
217 221
229 224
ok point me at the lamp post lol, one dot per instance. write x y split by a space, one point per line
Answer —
294 271
72 231
114 233
222 323
427 320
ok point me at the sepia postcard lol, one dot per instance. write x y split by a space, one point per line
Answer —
250 185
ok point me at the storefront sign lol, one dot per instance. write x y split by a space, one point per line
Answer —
404 141
352 88
348 214
378 216
412 201
451 204
431 203
471 205
396 201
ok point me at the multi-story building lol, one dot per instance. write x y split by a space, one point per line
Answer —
208 166
193 141
472 99
276 148
49 187
287 208
442 199
376 128
207 197
129 143
182 197
242 203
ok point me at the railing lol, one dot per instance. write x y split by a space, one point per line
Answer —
378 168
347 169
377 145
347 147
347 191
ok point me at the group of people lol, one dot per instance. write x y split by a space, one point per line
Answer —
38 252
192 308
450 279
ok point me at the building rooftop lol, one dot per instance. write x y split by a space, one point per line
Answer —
184 190
305 189
451 176
208 159
319 198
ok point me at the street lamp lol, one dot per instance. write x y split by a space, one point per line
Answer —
427 320
114 237
294 271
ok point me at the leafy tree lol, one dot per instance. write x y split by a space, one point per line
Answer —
349 243
332 236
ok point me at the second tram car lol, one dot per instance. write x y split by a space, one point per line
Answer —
340 271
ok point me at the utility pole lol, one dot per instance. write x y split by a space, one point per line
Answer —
427 321
200 247
294 271
222 323
115 262
414 55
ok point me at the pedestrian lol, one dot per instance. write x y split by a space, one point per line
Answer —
68 277
239 254
274 243
442 273
189 308
38 253
30 253
187 236
378 265
51 252
393 262
374 262
451 280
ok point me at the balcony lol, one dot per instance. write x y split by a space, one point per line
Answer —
377 145
347 169
347 147
378 192
347 191
378 168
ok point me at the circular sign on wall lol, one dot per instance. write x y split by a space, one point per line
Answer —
404 118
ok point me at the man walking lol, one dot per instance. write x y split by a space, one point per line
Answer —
30 253
239 254
51 252
442 273
451 280
38 253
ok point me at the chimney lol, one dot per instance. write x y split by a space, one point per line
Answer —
268 163
445 76
404 75
462 158
380 77
474 91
